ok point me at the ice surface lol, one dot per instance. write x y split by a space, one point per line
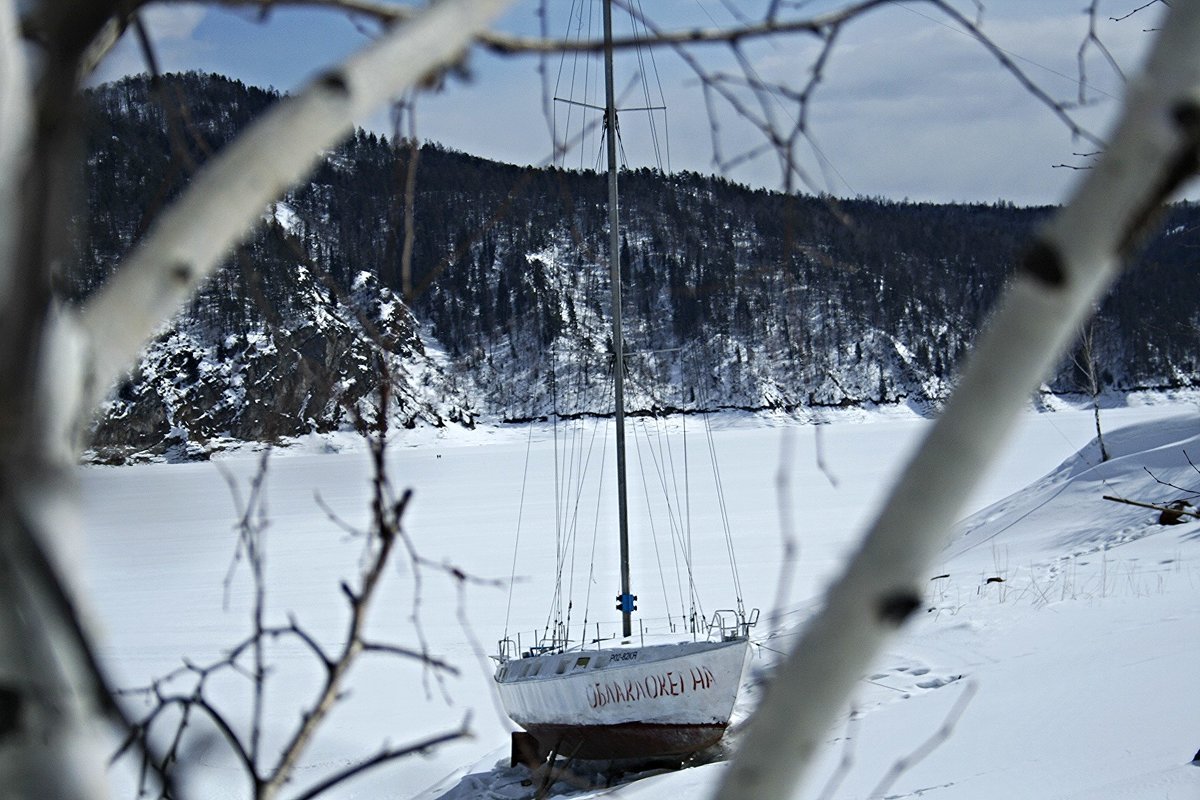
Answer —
1081 659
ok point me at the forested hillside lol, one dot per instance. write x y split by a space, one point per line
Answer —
733 297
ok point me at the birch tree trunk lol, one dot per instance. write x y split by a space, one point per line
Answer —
1156 146
56 368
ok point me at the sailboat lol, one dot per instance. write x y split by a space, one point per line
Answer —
623 702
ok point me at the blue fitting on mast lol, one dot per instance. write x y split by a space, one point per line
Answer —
627 603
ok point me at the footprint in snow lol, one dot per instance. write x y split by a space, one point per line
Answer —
938 682
904 681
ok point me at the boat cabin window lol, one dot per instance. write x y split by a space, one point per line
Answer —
562 666
537 667
580 663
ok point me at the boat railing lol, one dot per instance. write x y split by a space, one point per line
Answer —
506 650
543 649
728 624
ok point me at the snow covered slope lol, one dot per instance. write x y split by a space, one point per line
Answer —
1074 624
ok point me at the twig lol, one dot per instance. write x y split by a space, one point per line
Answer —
1073 262
822 464
1167 509
386 517
1161 482
935 741
337 669
1093 40
791 547
846 762
1142 7
386 755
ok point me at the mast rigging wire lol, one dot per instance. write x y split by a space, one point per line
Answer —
512 577
572 461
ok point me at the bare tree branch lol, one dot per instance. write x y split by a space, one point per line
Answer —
935 740
1155 148
359 603
186 244
1140 8
1092 40
410 199
226 197
15 110
771 25
1169 485
784 139
386 755
267 783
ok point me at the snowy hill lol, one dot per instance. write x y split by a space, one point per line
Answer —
1058 647
734 298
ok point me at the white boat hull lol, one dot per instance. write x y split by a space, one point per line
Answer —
662 700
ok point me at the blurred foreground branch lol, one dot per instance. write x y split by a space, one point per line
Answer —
269 776
1156 147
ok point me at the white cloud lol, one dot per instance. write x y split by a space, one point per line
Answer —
174 22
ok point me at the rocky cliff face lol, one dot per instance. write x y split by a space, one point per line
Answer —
197 388
734 298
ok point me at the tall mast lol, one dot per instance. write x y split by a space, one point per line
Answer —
625 599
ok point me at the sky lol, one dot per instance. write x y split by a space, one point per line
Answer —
909 106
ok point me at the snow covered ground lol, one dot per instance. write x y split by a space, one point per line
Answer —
1072 677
